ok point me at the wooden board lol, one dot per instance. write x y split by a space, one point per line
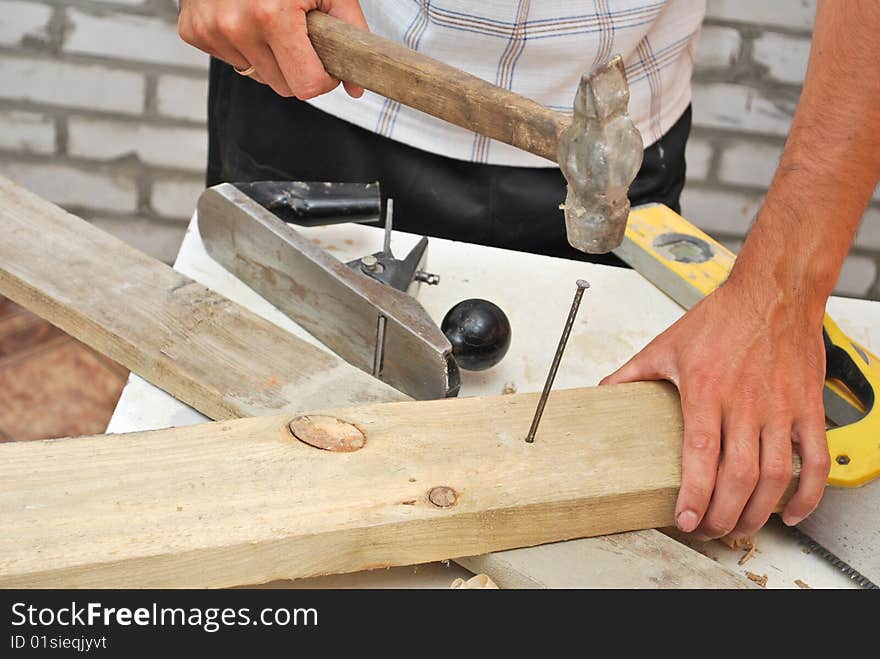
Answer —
244 502
195 344
208 352
643 559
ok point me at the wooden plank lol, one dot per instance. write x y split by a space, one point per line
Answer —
643 559
201 348
244 502
195 344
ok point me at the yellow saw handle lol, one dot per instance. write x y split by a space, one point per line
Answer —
687 264
852 374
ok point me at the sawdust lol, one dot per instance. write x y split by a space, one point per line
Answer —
751 548
508 388
747 544
747 556
739 543
802 584
760 579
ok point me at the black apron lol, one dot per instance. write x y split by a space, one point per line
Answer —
254 134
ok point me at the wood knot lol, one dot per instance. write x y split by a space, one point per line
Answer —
442 496
328 433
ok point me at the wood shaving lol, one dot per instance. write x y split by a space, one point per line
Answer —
509 388
746 543
802 584
751 550
479 581
740 543
760 579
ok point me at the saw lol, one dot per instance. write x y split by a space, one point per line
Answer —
687 264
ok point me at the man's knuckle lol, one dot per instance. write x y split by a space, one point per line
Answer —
782 409
310 88
703 442
702 380
184 31
748 396
808 402
814 416
777 471
744 471
265 12
809 500
230 25
306 90
191 30
696 493
820 461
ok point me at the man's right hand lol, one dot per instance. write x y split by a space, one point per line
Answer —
270 35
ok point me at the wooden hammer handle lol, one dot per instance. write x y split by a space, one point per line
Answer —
423 83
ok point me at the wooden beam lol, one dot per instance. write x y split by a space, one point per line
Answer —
200 347
245 502
640 559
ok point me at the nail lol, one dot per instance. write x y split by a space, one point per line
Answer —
686 520
582 285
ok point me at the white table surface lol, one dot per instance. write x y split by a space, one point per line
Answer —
620 313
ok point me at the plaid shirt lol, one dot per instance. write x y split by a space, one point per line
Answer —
538 48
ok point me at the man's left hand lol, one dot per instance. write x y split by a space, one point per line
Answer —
749 363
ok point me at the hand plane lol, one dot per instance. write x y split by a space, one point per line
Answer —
363 310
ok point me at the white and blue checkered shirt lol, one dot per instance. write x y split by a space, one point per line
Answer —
538 48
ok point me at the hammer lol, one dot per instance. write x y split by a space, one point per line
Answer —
599 149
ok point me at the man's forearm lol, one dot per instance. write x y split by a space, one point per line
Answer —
748 360
831 161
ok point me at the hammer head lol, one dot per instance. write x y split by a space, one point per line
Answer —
600 153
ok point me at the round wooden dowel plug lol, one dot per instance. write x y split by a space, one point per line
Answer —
328 433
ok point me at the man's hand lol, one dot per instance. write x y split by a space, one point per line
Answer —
749 363
270 35
748 360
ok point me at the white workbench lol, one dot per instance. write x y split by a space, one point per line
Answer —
621 312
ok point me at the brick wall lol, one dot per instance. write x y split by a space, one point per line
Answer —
102 109
750 67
